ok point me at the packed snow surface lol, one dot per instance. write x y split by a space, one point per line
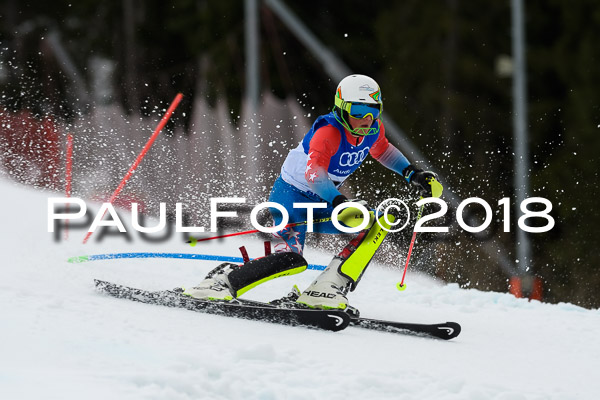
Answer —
61 339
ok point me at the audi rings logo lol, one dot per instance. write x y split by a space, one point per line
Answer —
351 159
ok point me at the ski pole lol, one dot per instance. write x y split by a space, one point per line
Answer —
142 154
401 285
193 240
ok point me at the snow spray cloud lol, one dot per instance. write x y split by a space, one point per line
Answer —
389 206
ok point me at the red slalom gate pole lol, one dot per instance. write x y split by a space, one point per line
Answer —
193 241
68 177
400 285
139 158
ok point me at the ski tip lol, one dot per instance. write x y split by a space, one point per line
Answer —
449 330
340 319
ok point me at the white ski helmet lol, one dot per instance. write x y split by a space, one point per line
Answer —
358 96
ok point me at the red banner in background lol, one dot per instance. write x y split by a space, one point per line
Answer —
30 148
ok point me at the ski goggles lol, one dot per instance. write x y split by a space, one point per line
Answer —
360 110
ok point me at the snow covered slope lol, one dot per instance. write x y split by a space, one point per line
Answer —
60 339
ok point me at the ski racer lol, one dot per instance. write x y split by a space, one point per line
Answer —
334 147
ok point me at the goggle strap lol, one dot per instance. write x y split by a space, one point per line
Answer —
343 105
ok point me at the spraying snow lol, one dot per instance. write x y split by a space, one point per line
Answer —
61 339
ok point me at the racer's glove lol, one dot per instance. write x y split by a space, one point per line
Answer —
426 182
